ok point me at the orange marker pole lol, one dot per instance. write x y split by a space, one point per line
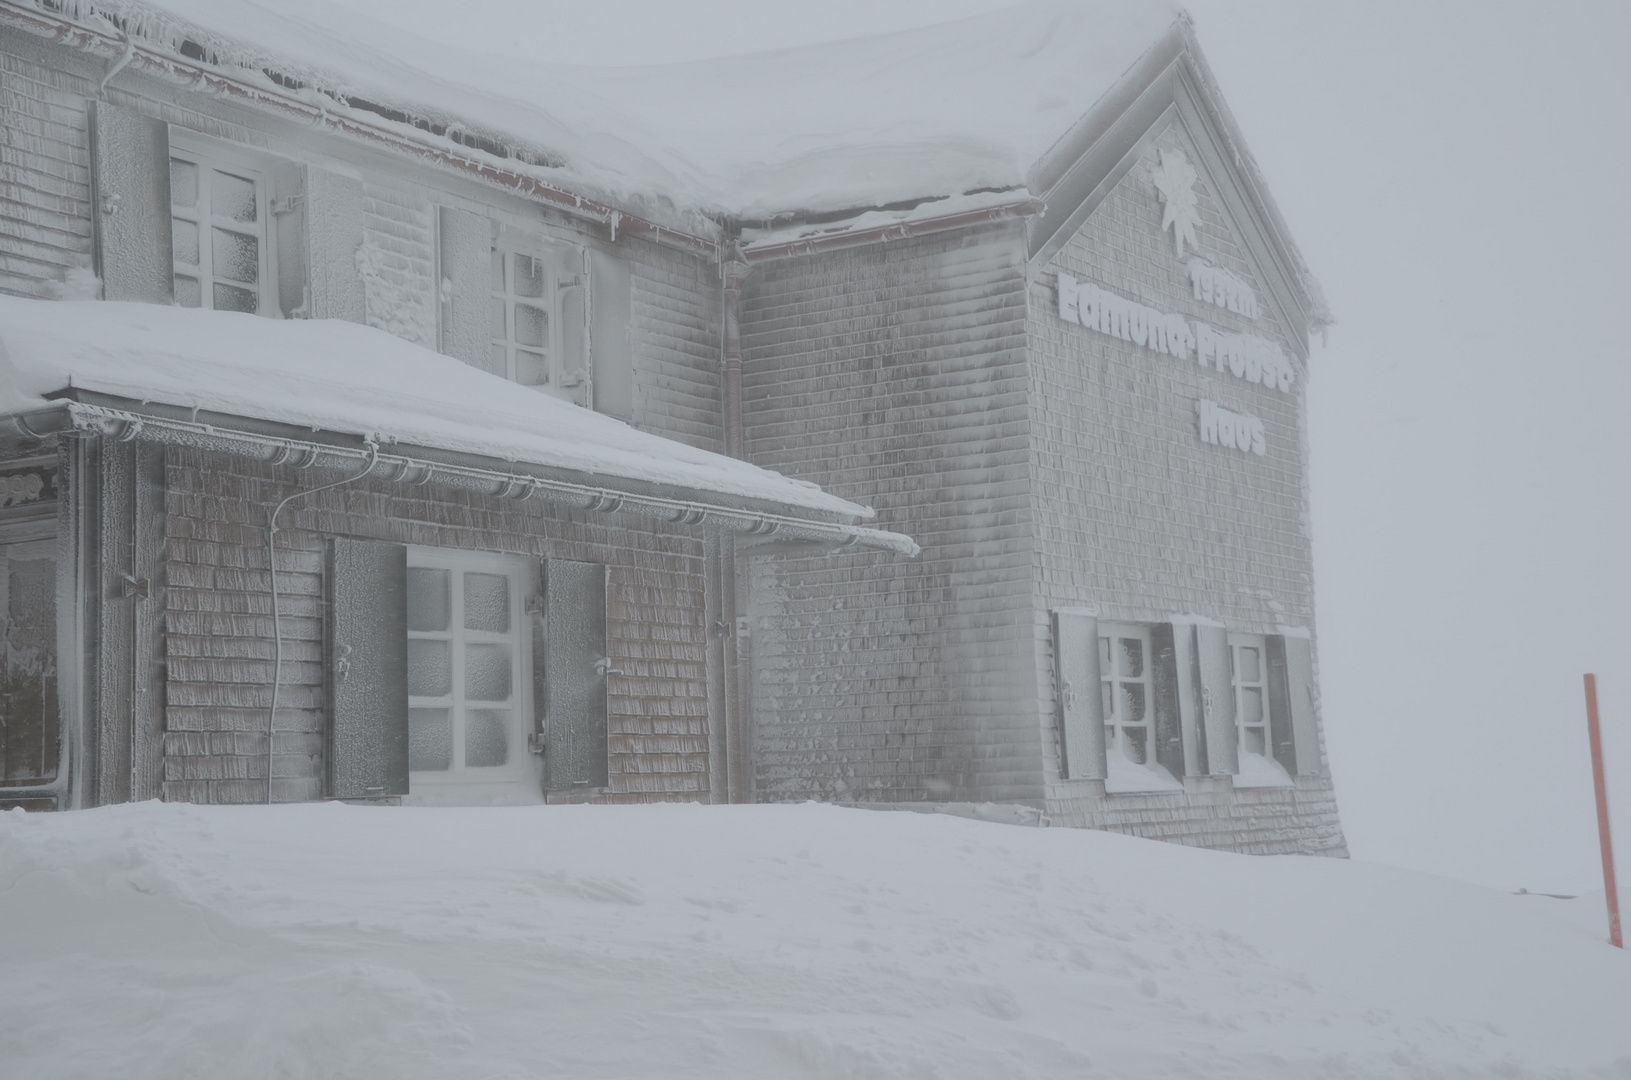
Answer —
1604 839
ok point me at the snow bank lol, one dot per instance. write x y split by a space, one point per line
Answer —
320 940
936 111
341 377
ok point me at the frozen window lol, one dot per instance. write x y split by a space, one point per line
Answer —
1124 687
529 343
1249 676
468 713
218 215
28 663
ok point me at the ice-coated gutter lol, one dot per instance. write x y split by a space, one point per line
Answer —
124 424
864 231
127 52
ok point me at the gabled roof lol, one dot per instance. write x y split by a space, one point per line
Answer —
871 121
204 368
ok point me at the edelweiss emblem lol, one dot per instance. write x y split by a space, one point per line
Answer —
1175 183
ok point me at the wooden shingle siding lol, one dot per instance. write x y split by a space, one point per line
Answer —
1140 521
895 375
219 640
45 178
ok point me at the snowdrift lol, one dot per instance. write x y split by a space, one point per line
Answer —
761 942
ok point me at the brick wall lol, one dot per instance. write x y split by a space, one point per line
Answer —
894 374
1140 520
218 639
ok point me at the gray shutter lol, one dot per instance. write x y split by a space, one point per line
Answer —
1076 669
569 674
368 669
465 271
130 196
610 326
334 212
1304 720
1217 700
574 314
1169 730
1281 728
288 197
1186 670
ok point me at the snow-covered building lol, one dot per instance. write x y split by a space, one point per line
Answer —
564 396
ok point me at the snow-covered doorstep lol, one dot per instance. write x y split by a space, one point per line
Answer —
337 376
163 942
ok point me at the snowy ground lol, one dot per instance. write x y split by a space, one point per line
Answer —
761 942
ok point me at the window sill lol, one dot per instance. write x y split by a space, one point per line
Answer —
1129 778
1257 771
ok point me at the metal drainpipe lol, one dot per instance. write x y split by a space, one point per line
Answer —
733 273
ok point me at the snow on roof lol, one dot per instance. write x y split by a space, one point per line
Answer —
342 377
943 110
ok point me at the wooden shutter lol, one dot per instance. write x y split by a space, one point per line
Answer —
1217 694
1291 703
1169 731
288 201
572 285
130 197
1076 671
1186 669
334 212
569 675
465 266
368 669
610 325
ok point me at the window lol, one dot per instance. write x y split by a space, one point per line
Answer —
28 662
468 717
1253 705
536 320
218 232
1124 681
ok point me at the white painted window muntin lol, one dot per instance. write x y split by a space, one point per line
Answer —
469 710
1248 675
1126 691
217 168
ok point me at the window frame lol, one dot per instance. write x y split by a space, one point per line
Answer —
1265 770
210 154
1110 680
461 784
509 245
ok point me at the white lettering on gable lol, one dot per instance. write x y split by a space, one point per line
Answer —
1215 285
1245 356
1220 427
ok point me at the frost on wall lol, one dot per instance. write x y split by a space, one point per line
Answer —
397 298
1180 206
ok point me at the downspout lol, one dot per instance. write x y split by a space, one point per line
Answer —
733 275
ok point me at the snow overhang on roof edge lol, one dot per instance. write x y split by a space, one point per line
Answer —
421 465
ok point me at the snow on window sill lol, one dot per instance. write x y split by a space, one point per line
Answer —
1126 777
1257 771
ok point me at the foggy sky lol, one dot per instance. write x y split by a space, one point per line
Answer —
1450 172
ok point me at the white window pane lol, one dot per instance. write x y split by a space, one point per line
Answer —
1255 742
1107 699
430 740
1132 658
496 326
529 276
429 606
1251 705
531 326
430 668
237 257
531 369
486 672
1132 703
498 271
486 737
1250 664
232 298
187 294
183 183
487 602
232 196
184 241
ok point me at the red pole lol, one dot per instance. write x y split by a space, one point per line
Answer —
1604 839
